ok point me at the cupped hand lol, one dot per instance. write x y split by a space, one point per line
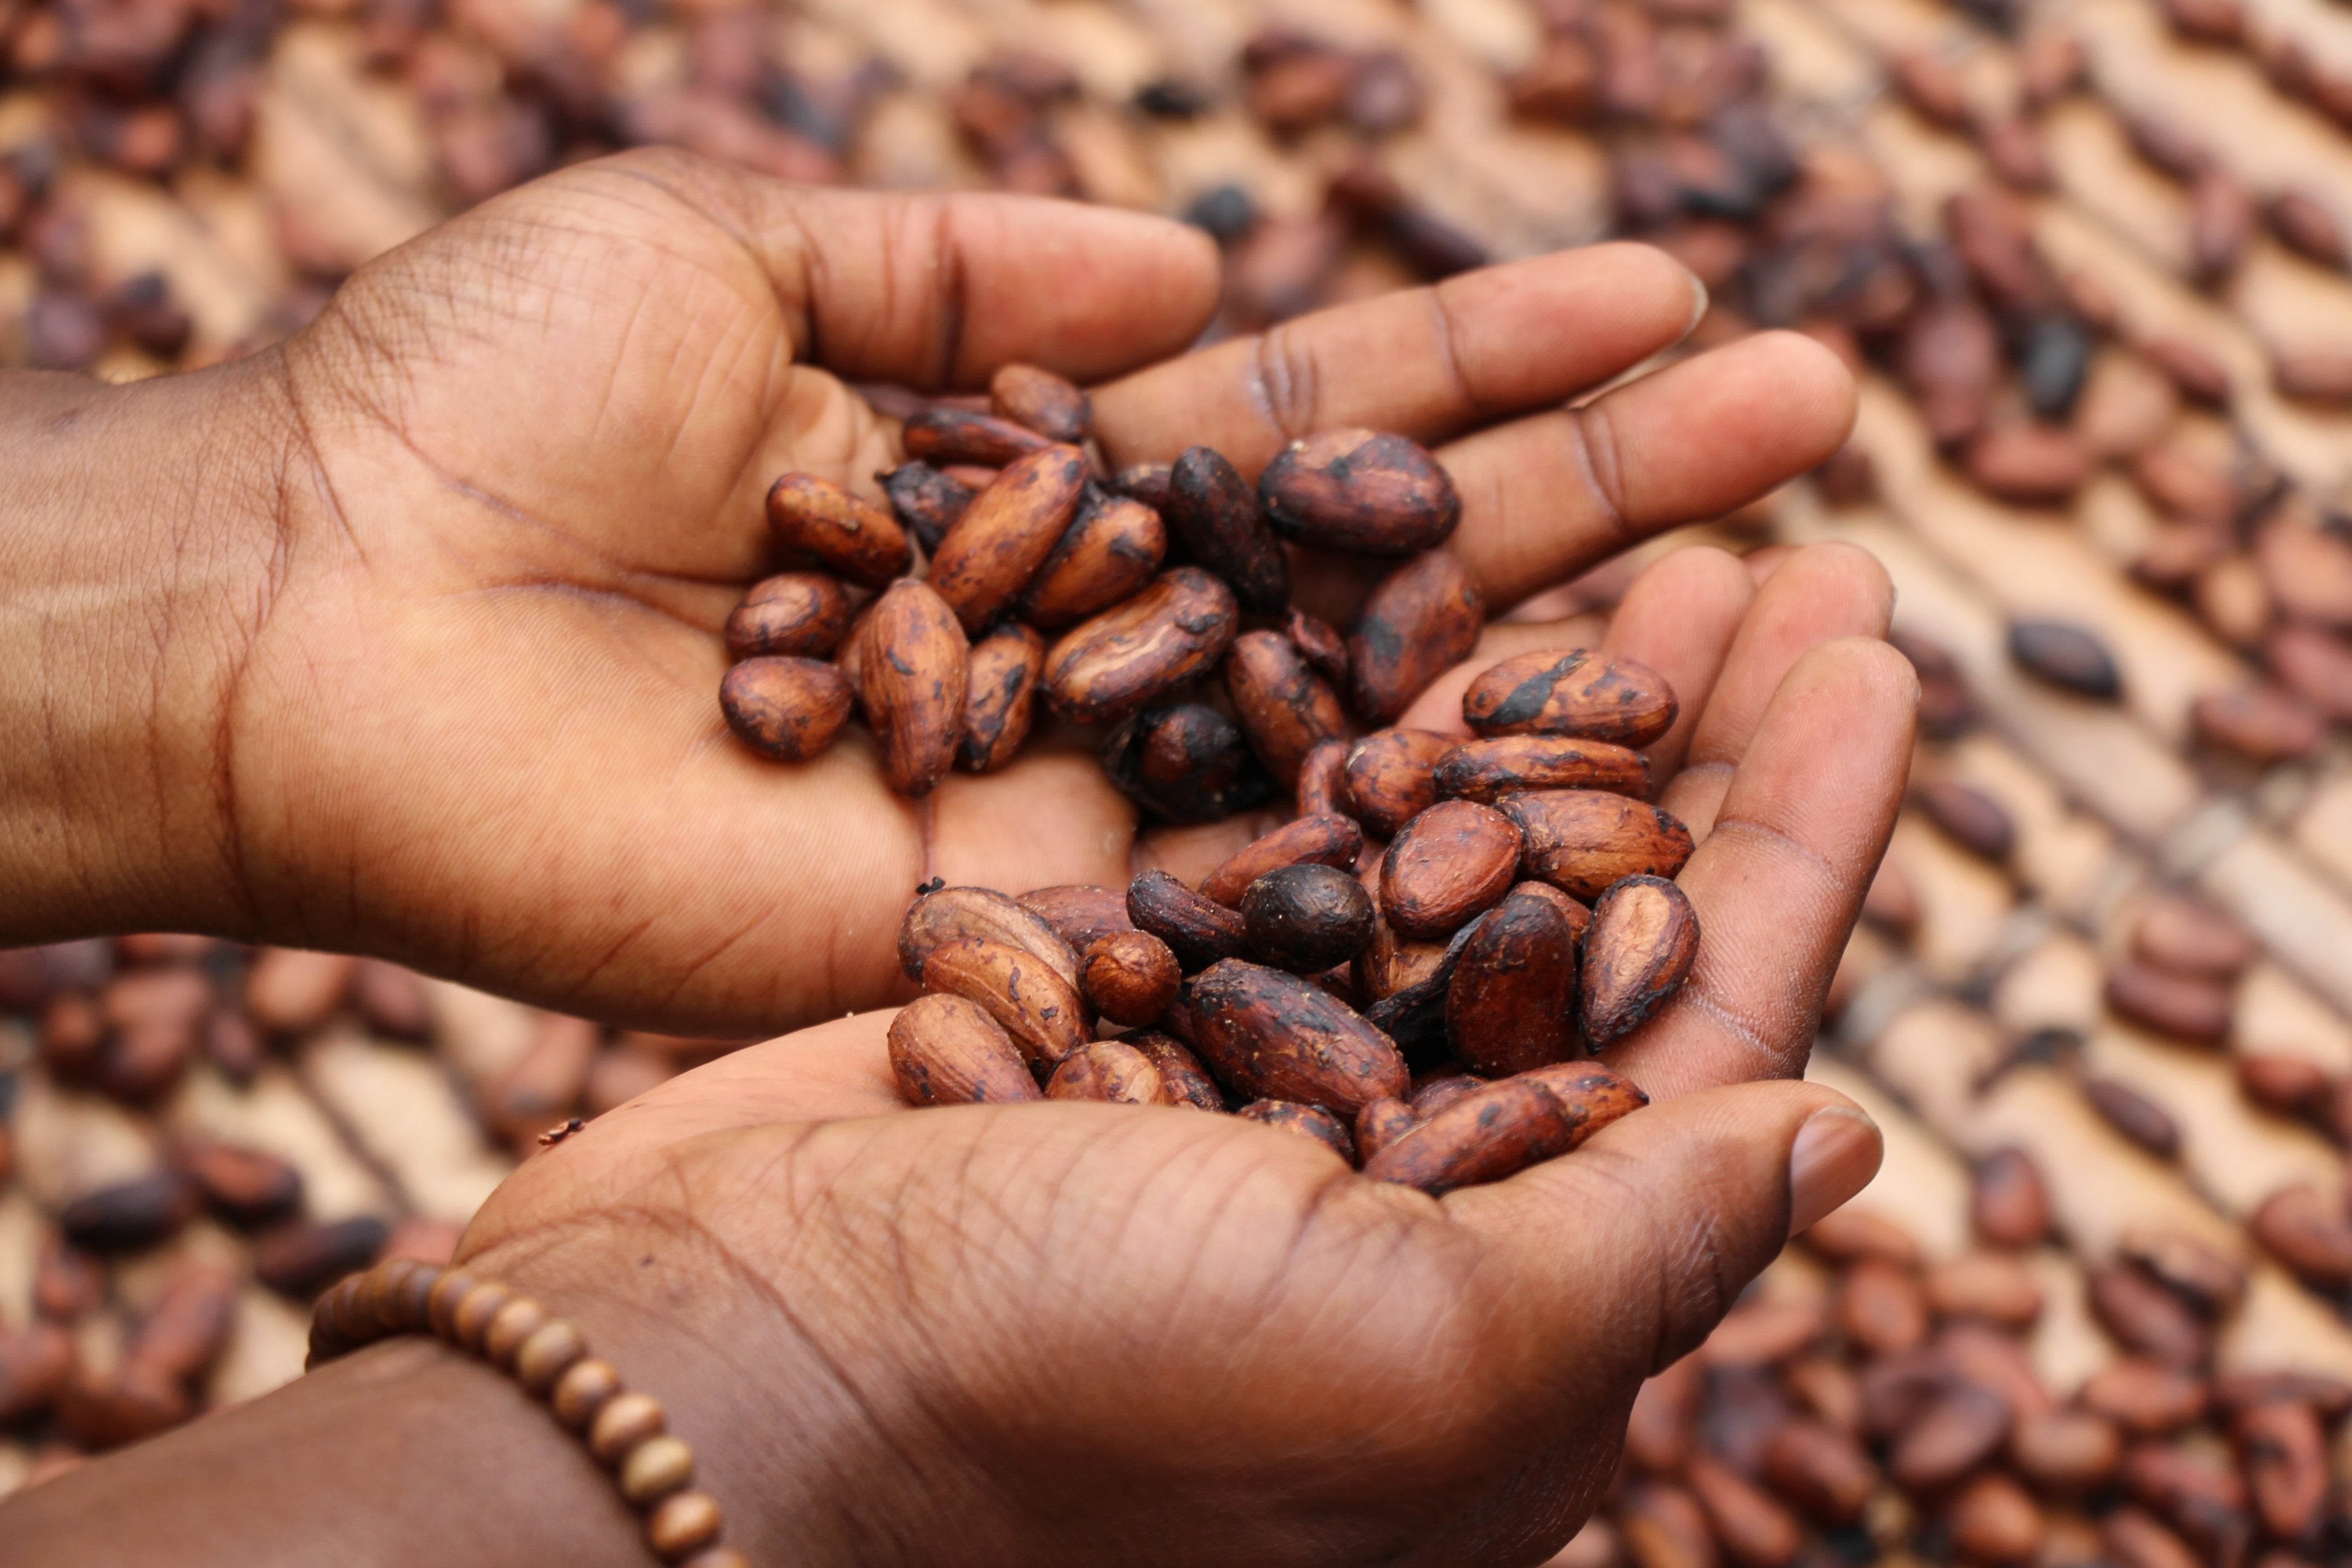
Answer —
474 721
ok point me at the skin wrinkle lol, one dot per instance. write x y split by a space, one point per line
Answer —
953 287
1282 387
1441 317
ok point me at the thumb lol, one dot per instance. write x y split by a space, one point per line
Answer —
1637 1244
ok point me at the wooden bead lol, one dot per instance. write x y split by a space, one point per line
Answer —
326 1344
582 1390
626 1420
655 1468
442 1299
682 1526
513 1323
333 1312
404 1305
718 1557
548 1354
471 1319
380 1288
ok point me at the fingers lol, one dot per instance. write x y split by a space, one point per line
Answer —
1639 1242
936 290
1779 882
1545 497
1680 618
1813 597
1428 363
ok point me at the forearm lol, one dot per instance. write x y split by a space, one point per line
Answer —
134 555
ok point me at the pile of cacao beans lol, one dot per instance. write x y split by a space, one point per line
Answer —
1421 1010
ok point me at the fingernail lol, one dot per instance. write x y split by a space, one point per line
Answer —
1834 1156
1699 297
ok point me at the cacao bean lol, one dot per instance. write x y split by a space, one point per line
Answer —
250 1186
787 709
1882 1308
811 517
1027 996
914 677
1041 401
1112 549
2284 1085
1146 482
1199 931
1183 1082
2187 937
1360 492
1006 534
1487 770
1505 1126
128 1214
1823 1472
35 1363
1116 663
1434 1095
2283 1454
2008 1203
2066 1450
1969 816
2134 1539
2194 1272
999 695
1380 1124
1310 840
1664 1528
1990 1286
1511 1004
941 437
1452 861
1583 842
802 614
1213 511
1079 913
2330 1397
1185 763
947 914
1994 1519
1414 1013
1576 693
1108 1070
1323 781
2146 1399
1392 777
1306 1121
2145 1317
2309 1234
2205 1501
190 1322
1850 1234
1307 917
1640 950
2065 656
1326 651
67 1283
2029 464
1131 977
2135 1116
1419 621
2315 665
1285 708
926 500
1957 1432
1274 1037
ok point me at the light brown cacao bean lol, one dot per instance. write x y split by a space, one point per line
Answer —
1183 1082
1449 863
1380 1124
1112 549
1041 401
1584 842
1007 532
786 709
1644 941
1041 1010
2146 1399
947 914
2066 1450
1578 693
1360 492
946 1050
1119 661
1285 708
1322 788
1317 840
1131 977
1392 777
1511 1004
1108 1070
815 518
914 673
1079 913
999 695
1276 1037
1416 623
803 613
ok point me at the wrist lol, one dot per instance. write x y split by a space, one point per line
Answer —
134 565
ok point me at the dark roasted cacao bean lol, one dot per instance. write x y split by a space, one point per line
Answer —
1417 621
1199 931
1131 977
925 500
1414 1013
2065 655
1316 840
1380 1124
1079 913
129 1214
1116 663
784 707
1285 708
1307 917
1360 492
1578 693
1821 1470
2135 1116
815 518
1511 1004
301 1259
1041 401
1112 549
1185 763
1311 1122
1274 1037
2008 1202
1324 649
1957 1432
1006 535
1969 816
1213 511
1449 863
999 695
800 612
1488 770
1145 482
943 435
1392 777
913 678
1583 842
248 1186
2145 1317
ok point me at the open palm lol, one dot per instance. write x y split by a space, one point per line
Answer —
477 724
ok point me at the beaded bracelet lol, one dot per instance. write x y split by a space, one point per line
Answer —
549 1357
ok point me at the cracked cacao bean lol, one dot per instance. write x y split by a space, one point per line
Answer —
815 517
1116 663
1585 841
1306 917
1319 840
1362 491
1505 1127
786 709
1199 931
1323 781
1006 534
944 436
1130 977
1213 511
1272 1036
947 1050
1040 401
1112 549
1393 777
1310 1121
1413 1014
1284 707
1450 862
1080 913
999 695
805 614
1510 764
1108 1070
913 676
1579 692
1035 1005
926 501
1185 763
950 914
1511 1004
1643 939
1417 621
1183 1082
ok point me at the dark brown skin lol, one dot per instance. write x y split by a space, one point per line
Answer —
798 613
1643 939
1306 917
813 517
925 500
1317 840
1130 977
1584 841
1006 534
1362 491
1578 693
912 677
1511 1004
943 435
1449 863
1284 707
1183 1082
1108 1070
1276 1037
1041 401
787 709
999 695
949 913
1112 549
1185 762
1322 788
1488 770
1309 1121
946 1050
1491 1133
1215 512
1041 1012
1119 661
1392 775
1419 620
1080 913
1199 931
